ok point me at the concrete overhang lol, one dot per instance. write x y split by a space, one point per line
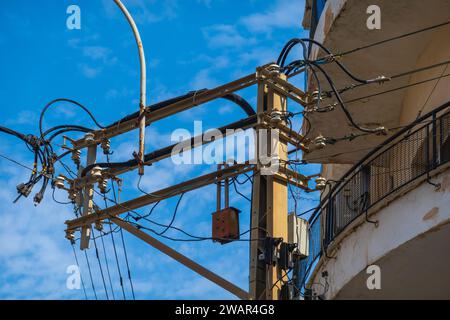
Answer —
342 26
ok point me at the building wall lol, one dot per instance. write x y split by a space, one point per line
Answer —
423 98
408 217
412 216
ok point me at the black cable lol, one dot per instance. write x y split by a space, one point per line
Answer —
173 216
123 240
127 264
238 192
90 274
107 267
393 77
397 88
195 238
241 102
117 258
393 38
343 107
151 210
59 202
41 117
100 265
79 270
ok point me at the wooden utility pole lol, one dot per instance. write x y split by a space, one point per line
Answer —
270 201
88 196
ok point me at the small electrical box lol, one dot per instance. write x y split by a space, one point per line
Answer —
298 233
225 225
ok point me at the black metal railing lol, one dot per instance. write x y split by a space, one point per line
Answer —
411 153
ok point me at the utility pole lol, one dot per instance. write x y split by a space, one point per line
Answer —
269 216
269 203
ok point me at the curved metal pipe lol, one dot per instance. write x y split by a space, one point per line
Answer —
142 100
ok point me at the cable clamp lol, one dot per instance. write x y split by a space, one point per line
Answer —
137 157
381 79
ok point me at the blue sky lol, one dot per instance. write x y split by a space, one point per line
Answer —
190 44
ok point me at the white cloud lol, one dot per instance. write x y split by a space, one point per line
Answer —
203 79
206 3
33 251
27 117
284 14
222 36
88 71
260 55
145 12
97 53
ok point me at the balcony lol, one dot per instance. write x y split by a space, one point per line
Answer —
353 227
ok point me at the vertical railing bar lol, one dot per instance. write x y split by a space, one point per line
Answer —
434 141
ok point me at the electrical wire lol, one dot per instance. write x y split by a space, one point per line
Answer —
392 39
107 266
123 240
100 265
73 102
127 263
90 274
173 216
78 266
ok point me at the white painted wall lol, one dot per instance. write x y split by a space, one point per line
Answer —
408 217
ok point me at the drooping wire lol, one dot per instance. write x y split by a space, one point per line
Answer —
41 117
107 266
79 269
173 216
116 256
90 274
393 38
127 264
100 265
123 241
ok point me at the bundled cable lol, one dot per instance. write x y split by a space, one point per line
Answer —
314 66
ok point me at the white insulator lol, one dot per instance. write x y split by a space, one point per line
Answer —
106 146
103 185
314 97
76 156
96 172
89 136
276 116
320 142
321 183
59 182
274 69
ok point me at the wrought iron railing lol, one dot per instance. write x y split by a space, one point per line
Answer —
406 156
